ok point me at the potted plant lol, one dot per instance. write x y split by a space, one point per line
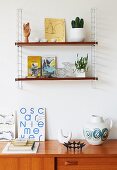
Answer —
81 66
77 33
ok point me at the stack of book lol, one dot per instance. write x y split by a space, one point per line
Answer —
21 145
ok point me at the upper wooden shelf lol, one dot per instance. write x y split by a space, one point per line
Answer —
55 78
55 43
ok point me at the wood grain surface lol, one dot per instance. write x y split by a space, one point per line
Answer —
52 155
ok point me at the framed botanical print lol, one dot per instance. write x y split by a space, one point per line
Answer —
55 29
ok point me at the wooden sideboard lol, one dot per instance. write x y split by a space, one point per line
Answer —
54 156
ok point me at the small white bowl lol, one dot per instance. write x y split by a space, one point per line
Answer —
53 40
43 40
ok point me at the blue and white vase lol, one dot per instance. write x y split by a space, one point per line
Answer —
97 130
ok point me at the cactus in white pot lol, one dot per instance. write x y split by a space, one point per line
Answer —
77 32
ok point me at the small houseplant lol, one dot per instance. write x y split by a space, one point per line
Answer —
77 33
81 66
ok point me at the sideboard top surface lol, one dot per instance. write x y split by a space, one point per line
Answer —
53 148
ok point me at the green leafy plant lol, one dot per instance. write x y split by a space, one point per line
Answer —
77 23
81 63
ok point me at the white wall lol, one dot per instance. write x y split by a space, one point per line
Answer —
69 104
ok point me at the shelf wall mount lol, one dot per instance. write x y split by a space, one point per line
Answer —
93 47
19 48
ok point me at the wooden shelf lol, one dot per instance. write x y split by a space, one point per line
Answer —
55 43
55 78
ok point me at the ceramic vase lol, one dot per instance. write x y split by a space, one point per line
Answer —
96 131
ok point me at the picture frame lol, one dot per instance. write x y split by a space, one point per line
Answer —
7 127
31 123
55 29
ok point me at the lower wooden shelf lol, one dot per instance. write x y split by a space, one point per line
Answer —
56 78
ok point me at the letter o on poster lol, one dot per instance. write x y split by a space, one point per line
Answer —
23 110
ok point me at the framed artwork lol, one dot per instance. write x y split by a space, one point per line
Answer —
7 127
31 123
48 66
34 66
55 29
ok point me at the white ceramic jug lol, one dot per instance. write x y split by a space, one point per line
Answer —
97 130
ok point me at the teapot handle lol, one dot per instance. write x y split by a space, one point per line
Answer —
110 122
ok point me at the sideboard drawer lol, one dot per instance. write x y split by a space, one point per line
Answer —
86 163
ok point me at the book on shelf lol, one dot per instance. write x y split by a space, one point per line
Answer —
34 66
20 146
32 76
48 66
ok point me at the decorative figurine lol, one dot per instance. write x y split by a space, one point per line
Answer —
62 138
74 145
26 31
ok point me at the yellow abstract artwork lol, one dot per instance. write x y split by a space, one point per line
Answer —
55 29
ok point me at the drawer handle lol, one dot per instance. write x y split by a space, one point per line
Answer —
71 163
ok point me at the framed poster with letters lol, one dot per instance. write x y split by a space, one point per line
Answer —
31 123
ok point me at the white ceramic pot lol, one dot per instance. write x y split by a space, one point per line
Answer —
77 34
97 130
80 73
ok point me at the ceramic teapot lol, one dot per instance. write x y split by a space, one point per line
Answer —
97 130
